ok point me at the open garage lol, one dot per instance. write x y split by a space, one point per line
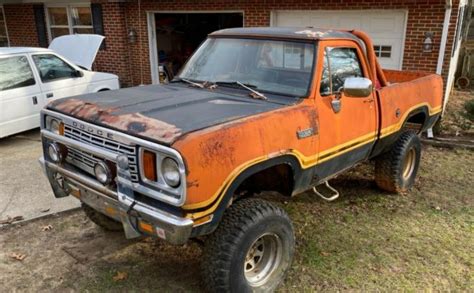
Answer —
177 34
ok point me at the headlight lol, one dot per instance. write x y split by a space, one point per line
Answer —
163 175
103 173
170 172
54 152
54 125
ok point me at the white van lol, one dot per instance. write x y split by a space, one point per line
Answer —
31 77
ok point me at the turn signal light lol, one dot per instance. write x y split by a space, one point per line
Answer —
61 128
149 165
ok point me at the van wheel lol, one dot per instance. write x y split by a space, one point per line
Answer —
251 250
101 220
395 171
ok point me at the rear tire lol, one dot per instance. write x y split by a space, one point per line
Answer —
395 171
101 220
251 250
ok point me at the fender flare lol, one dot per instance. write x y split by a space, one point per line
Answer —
383 144
422 109
225 199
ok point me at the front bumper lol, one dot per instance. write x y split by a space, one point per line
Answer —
137 218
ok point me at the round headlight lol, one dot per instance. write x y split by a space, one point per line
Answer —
54 126
170 171
54 153
102 173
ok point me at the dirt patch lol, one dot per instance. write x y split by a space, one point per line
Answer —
366 240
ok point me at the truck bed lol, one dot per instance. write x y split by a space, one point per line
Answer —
408 93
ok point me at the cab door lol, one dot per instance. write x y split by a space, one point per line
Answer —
347 124
58 78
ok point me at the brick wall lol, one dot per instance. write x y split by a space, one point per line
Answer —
21 25
131 61
423 16
114 58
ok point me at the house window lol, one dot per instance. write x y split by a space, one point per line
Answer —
68 20
383 51
3 29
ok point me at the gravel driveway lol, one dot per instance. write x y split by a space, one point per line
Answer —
25 190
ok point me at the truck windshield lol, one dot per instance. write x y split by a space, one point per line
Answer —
281 67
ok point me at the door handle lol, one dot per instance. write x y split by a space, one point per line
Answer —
50 95
368 101
35 100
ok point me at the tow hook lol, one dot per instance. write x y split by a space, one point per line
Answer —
331 197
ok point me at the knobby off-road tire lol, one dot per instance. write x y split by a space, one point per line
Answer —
101 220
251 250
395 171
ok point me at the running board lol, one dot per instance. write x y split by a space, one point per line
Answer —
332 197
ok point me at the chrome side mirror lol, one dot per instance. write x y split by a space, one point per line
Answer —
358 87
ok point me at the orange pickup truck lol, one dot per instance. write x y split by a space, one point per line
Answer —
254 110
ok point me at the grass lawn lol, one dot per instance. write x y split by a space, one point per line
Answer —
366 240
369 240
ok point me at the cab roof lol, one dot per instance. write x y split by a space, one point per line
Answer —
301 33
21 50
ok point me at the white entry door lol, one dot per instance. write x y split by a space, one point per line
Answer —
385 27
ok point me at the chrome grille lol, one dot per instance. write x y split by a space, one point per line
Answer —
87 161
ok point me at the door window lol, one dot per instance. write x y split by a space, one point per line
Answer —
51 67
339 64
15 72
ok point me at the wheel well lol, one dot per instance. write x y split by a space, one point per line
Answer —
103 90
416 121
277 178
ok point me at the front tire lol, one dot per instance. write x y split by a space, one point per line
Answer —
101 220
395 171
251 250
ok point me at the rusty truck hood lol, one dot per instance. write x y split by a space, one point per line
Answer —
162 113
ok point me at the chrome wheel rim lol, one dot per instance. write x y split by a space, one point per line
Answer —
262 259
409 163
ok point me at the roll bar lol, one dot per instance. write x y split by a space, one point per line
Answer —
376 72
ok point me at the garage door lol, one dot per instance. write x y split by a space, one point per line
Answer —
387 28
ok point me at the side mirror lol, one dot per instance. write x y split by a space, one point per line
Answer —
78 73
358 87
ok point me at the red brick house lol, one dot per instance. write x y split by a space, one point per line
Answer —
408 34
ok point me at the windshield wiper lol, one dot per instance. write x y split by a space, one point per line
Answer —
195 84
254 94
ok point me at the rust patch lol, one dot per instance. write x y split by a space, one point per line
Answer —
312 115
193 183
130 123
218 148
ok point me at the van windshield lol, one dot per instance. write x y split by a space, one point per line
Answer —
281 67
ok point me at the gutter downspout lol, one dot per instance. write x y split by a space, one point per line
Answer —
442 51
444 36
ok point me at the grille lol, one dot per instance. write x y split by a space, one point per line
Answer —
87 161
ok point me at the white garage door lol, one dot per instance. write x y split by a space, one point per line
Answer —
386 27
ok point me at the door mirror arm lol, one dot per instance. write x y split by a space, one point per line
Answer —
78 73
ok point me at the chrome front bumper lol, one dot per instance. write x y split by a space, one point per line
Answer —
137 218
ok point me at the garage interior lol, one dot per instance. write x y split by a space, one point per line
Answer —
179 34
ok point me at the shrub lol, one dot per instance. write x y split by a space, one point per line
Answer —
469 106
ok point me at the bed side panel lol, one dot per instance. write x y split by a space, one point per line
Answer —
399 100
